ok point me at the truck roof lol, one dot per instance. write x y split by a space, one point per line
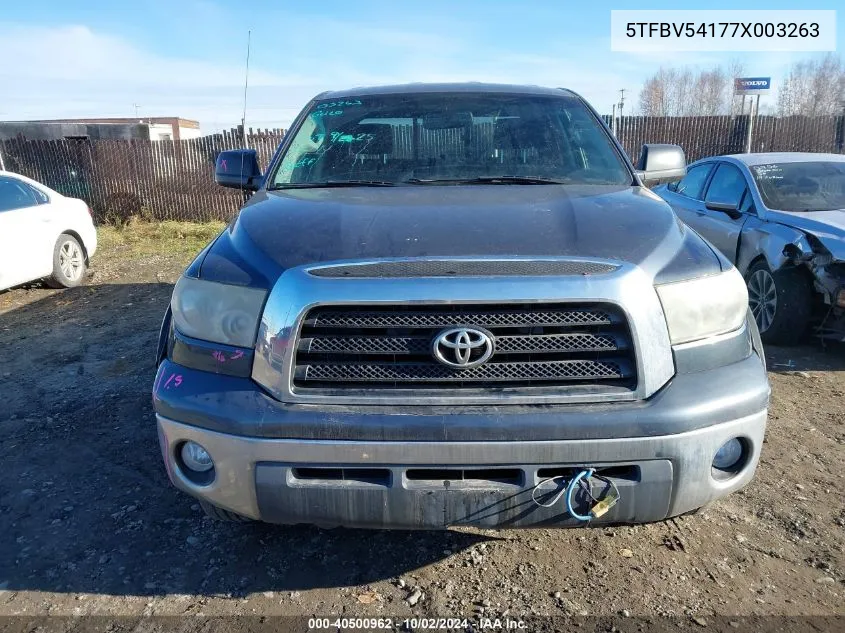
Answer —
419 88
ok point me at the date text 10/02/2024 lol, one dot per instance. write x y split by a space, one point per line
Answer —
415 624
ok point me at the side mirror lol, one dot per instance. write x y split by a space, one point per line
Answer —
728 208
238 169
660 163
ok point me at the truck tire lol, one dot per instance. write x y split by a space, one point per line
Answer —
219 514
68 263
781 303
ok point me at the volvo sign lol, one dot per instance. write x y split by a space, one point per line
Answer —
752 85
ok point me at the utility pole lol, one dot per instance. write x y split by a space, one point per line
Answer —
137 107
751 113
621 101
246 84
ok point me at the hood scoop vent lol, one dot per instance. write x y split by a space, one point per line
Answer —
465 268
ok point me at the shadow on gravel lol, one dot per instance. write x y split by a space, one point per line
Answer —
85 504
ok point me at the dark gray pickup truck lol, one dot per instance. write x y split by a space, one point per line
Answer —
457 305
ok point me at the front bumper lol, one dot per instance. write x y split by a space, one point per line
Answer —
375 484
432 467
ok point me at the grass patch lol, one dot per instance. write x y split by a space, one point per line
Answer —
139 239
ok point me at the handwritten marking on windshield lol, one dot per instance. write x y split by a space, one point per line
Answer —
340 104
338 137
324 113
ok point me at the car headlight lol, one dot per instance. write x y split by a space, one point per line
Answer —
704 307
217 312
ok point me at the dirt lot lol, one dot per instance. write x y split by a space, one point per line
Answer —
90 525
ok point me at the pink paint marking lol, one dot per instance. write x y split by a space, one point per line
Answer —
236 355
175 378
219 356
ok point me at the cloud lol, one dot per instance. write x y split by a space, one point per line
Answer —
76 71
76 53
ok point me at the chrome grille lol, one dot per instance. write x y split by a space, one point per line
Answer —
390 347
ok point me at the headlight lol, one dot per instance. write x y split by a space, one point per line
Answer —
217 312
704 307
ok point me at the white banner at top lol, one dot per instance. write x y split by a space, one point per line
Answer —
723 30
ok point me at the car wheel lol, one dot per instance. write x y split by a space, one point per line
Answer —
219 514
68 263
781 303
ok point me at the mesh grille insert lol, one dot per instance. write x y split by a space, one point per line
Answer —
541 343
391 347
488 319
489 372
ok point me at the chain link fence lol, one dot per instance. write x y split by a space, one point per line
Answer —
174 180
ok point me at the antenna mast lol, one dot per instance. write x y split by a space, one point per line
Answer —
246 84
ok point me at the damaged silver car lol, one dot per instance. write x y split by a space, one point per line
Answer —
780 218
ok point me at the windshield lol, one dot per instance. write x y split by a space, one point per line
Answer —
450 138
812 186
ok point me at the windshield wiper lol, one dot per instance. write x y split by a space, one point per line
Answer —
489 180
335 183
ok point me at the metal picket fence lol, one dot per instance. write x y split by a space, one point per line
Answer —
173 180
715 135
156 180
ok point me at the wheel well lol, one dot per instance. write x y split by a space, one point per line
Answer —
753 262
78 238
802 270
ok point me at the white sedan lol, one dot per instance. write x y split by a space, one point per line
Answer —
43 234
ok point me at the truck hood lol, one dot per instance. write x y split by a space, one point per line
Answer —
827 226
278 230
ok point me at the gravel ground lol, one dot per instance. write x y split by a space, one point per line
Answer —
89 523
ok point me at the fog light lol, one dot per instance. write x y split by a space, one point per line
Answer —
728 455
196 457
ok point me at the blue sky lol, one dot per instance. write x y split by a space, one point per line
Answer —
186 58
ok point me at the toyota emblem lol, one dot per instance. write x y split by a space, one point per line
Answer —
463 347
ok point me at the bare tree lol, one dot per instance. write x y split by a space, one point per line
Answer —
654 96
708 92
689 92
666 93
813 87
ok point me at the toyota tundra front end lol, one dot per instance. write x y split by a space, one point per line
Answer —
457 305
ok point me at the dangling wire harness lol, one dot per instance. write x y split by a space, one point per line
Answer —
599 507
